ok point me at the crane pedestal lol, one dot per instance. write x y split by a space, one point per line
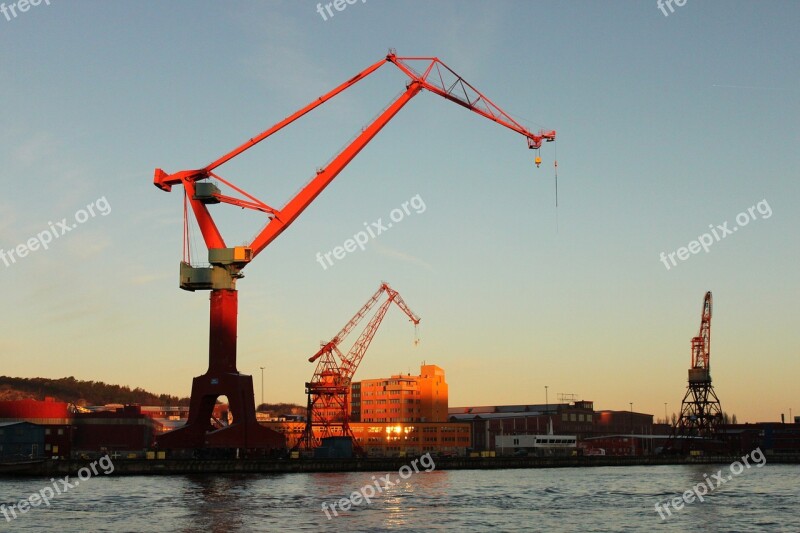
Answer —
222 379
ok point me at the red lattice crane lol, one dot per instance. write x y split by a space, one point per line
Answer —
328 413
701 411
226 263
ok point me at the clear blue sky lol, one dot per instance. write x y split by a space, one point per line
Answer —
666 124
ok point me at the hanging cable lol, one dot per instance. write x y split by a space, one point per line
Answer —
555 166
187 258
555 171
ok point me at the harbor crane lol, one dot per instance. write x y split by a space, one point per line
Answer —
328 409
701 412
225 263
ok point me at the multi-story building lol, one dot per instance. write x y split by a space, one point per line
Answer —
401 398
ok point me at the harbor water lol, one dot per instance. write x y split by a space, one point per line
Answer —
553 499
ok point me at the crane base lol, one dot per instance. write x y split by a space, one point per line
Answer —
245 432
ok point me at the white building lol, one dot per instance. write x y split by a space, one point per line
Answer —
536 444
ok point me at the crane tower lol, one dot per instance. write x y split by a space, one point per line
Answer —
701 412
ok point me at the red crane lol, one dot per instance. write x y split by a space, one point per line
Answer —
329 388
701 345
226 264
701 411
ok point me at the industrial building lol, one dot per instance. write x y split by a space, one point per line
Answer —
774 438
385 439
401 398
68 431
55 417
124 432
488 422
21 441
576 418
623 444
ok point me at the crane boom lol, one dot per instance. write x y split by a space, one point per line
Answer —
436 77
350 325
356 354
701 345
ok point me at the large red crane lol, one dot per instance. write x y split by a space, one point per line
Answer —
226 263
328 413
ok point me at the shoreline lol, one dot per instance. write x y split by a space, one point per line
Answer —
152 467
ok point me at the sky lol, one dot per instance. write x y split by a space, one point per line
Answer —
670 124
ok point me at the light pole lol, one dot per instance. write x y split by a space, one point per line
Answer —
547 408
666 419
262 385
632 441
631 404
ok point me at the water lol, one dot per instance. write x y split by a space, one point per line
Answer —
568 499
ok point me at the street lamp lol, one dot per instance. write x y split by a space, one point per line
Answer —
547 409
666 418
262 385
633 449
631 404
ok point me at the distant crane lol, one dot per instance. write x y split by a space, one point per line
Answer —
327 412
701 412
225 264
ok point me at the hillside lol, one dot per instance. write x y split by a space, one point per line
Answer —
81 392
